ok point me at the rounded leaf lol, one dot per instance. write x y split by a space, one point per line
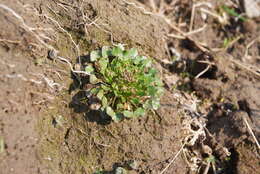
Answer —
139 112
128 114
103 64
121 46
94 55
94 91
110 112
105 51
155 104
89 69
113 115
100 94
120 170
132 53
104 101
93 79
117 51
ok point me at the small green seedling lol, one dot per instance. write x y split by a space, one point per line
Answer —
125 83
233 13
99 172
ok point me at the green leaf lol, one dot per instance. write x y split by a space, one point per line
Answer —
94 55
89 69
110 112
128 114
135 101
120 170
104 101
121 46
137 60
119 106
99 172
105 51
93 79
147 105
131 53
147 63
139 112
156 104
113 115
211 159
94 91
117 51
100 94
141 93
160 91
103 64
119 117
105 87
151 90
232 12
152 71
158 82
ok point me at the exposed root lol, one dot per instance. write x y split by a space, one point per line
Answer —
173 159
22 77
56 23
25 26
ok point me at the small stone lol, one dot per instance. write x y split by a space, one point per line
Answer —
52 54
206 149
250 26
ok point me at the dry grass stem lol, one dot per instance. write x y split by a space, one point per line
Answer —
202 72
10 41
251 132
174 158
193 12
249 68
249 45
207 168
63 30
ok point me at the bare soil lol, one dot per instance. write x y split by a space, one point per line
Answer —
46 126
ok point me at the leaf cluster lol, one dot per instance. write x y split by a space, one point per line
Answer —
125 83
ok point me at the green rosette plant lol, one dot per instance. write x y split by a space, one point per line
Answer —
125 83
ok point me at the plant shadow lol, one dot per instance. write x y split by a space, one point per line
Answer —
81 101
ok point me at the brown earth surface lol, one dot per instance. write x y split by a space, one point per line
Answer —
45 127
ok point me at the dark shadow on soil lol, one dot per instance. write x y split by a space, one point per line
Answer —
80 104
228 124
81 101
97 116
79 81
231 165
